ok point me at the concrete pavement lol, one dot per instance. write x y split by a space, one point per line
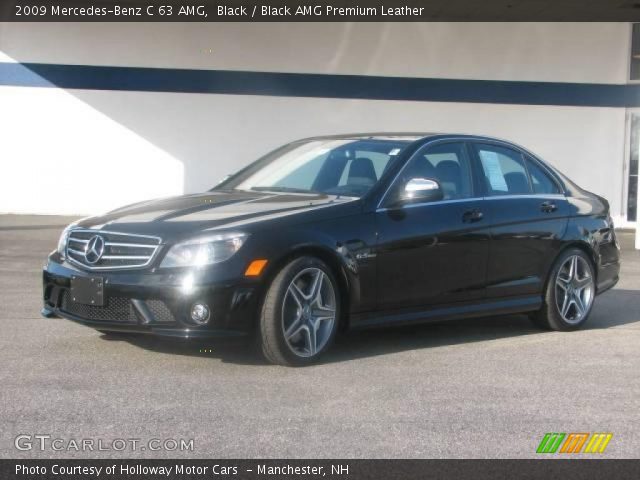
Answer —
474 388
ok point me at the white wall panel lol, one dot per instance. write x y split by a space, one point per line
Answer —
61 155
109 148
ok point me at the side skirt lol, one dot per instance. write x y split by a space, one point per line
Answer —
500 307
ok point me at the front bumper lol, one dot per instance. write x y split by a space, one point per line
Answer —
154 303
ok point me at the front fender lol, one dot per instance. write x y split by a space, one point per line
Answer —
346 245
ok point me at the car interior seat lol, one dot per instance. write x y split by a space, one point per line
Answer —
450 178
362 172
517 182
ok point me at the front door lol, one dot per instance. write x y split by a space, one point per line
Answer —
433 253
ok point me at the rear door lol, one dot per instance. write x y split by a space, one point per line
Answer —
528 219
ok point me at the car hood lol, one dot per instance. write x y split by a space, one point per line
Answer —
189 214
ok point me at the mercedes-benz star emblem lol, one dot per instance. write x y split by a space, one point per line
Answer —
94 249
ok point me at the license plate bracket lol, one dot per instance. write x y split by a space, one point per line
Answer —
87 290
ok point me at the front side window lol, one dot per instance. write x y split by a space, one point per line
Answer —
447 163
348 167
504 171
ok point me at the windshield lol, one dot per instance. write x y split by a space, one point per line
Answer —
333 166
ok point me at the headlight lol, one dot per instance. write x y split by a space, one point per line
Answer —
62 242
204 251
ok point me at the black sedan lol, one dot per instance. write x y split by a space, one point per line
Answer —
340 232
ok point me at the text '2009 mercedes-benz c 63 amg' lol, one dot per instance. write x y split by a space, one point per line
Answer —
342 232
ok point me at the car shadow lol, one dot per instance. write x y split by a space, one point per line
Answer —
615 308
230 350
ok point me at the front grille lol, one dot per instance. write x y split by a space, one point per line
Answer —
160 311
111 250
117 309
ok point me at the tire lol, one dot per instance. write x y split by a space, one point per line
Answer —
300 312
569 296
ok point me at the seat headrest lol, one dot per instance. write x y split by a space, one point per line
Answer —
449 171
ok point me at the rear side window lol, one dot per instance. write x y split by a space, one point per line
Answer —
504 171
541 182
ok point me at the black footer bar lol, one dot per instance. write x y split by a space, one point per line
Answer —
317 469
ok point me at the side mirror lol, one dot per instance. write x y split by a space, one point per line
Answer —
418 190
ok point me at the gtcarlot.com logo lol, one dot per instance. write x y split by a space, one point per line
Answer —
574 442
43 442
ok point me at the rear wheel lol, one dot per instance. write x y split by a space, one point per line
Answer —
299 316
570 292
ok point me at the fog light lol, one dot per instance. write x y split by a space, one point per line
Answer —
200 313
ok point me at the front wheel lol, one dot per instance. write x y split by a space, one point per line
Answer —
300 313
570 292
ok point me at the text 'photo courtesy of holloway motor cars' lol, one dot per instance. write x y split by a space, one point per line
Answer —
343 232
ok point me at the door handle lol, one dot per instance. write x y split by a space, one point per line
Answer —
548 207
471 216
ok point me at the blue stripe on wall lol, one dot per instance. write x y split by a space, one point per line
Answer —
317 85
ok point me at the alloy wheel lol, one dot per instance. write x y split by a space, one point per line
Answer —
574 289
308 312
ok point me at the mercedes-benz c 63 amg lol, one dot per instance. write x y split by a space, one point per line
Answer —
339 232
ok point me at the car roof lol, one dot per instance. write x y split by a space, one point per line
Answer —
405 136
